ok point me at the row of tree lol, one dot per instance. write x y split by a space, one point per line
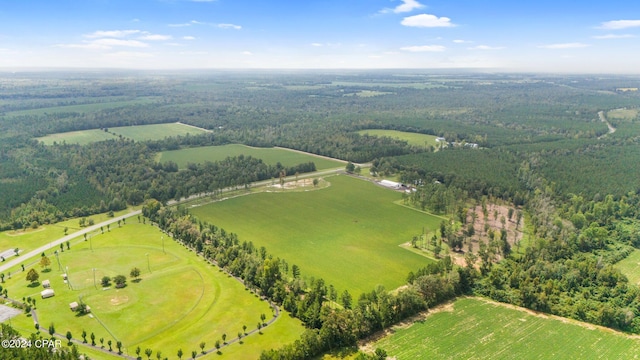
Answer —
333 320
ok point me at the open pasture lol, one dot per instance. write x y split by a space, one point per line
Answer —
270 156
178 302
348 233
623 114
473 328
82 137
630 267
83 108
414 139
155 131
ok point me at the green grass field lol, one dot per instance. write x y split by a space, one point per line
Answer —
414 139
29 239
630 267
179 302
270 156
155 131
82 137
348 233
623 114
477 329
83 108
137 133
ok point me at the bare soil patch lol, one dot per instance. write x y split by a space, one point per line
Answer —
119 299
491 221
24 231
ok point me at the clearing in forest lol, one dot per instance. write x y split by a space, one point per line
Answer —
156 131
630 267
270 156
414 139
137 133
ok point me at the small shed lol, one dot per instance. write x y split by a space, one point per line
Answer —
47 293
46 284
73 306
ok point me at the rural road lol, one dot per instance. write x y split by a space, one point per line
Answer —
23 257
604 120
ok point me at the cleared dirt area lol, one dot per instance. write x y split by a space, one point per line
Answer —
487 225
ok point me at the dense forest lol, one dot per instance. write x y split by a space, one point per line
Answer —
561 149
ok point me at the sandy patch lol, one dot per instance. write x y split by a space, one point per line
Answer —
24 232
119 299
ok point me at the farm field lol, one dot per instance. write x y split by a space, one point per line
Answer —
623 114
83 108
348 233
82 137
137 133
630 267
270 156
179 301
414 139
472 328
155 131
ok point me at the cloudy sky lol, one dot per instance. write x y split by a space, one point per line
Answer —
543 35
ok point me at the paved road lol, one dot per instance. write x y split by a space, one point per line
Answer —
23 257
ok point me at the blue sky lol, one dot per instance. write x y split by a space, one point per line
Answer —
550 36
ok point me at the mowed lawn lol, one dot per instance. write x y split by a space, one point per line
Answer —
348 234
477 329
630 267
155 131
179 301
29 239
270 156
414 139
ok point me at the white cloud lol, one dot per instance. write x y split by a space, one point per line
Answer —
105 44
620 24
406 6
190 23
458 41
188 38
130 55
229 26
316 44
86 46
427 20
424 48
120 42
614 36
248 53
565 46
155 37
111 34
486 47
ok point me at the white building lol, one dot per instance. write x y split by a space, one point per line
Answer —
391 184
47 293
